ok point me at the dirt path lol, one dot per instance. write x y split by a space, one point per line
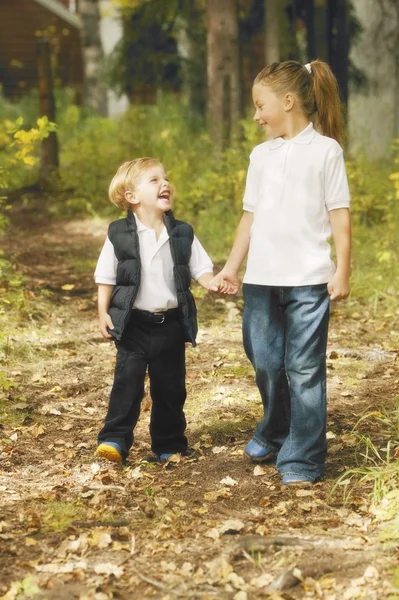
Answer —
210 526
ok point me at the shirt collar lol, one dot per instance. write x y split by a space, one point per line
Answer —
139 224
304 137
141 227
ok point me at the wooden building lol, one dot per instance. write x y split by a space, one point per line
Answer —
22 23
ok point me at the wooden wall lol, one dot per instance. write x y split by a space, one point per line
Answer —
21 23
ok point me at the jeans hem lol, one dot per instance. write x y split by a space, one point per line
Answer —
312 479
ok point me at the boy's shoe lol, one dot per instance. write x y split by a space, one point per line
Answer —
111 451
299 480
165 456
256 452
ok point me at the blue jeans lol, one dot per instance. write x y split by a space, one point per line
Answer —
285 338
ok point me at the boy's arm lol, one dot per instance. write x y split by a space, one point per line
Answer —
338 286
205 279
227 280
104 296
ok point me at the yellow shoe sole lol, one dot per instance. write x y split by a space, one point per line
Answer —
109 452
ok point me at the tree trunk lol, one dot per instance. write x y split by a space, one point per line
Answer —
49 161
322 34
95 92
310 30
339 56
272 32
396 75
191 44
224 81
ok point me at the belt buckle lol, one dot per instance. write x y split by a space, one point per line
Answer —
160 314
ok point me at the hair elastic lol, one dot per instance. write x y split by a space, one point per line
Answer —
308 67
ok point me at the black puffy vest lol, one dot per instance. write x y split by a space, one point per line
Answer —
124 237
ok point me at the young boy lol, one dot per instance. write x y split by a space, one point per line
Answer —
145 304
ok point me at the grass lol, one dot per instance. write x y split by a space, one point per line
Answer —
58 515
379 467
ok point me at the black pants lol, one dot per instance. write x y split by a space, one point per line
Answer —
161 347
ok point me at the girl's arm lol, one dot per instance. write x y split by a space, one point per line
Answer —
338 286
104 296
226 282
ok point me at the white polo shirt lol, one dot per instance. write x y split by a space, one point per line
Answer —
291 187
157 289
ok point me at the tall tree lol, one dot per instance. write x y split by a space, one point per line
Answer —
224 77
95 92
387 36
272 31
191 45
321 31
49 161
339 43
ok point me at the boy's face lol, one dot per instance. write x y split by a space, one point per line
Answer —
152 191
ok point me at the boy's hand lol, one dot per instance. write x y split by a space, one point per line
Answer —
224 283
105 324
338 287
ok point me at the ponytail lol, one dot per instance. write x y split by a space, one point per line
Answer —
317 89
330 113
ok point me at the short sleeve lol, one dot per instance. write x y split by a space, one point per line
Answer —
337 193
200 262
106 265
250 199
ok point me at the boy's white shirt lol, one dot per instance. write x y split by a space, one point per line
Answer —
157 289
291 187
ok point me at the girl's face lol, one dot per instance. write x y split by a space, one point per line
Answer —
270 110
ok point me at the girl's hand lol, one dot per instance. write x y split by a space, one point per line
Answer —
224 283
105 324
338 287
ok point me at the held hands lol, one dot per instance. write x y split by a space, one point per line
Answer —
338 287
105 324
224 283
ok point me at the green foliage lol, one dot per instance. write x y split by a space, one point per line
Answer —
146 57
209 187
19 147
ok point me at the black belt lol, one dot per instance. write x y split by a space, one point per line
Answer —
154 317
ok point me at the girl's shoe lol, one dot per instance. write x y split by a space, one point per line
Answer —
295 480
256 452
111 451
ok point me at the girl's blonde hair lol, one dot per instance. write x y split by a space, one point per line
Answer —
317 90
125 178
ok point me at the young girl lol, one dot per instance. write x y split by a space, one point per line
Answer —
296 195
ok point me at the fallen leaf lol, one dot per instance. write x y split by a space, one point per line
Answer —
67 287
261 581
108 569
228 481
37 430
215 495
219 449
335 448
303 493
231 526
30 541
218 569
258 471
213 533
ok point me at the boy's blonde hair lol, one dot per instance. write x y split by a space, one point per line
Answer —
125 178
